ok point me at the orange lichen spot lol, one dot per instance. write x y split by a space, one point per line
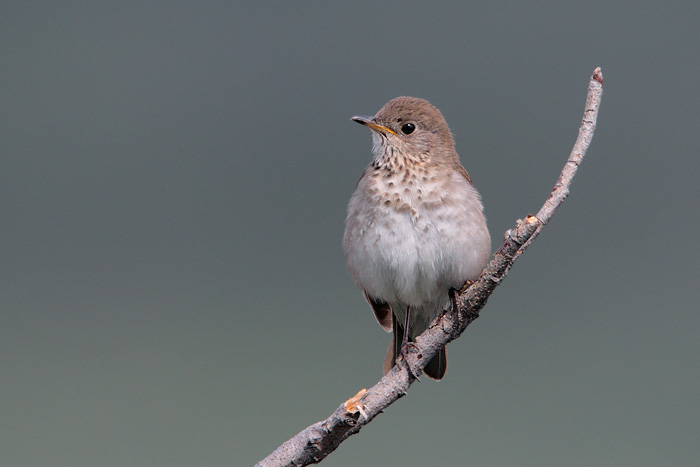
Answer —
354 404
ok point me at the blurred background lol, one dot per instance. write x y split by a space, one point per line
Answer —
173 184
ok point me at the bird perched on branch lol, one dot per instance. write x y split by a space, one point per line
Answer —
415 229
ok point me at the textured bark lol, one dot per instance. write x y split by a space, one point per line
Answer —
314 443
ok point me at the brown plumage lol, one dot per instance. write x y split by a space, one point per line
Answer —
415 225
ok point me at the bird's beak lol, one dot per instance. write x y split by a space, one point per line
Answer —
367 121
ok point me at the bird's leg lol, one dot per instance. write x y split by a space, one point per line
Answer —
456 318
404 339
404 343
453 300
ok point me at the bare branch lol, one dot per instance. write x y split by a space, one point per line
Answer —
314 443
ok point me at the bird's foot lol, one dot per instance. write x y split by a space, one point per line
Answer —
466 286
404 358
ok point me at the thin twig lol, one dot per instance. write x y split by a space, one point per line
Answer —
314 443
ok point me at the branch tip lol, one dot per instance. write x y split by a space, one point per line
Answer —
598 75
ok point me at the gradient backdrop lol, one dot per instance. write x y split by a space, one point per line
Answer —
173 184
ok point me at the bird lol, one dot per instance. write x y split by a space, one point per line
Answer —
415 230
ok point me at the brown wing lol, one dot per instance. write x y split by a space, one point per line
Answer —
382 311
464 173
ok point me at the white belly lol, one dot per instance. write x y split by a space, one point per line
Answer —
411 254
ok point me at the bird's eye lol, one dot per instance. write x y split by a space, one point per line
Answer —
407 128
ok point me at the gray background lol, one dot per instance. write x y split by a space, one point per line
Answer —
174 177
